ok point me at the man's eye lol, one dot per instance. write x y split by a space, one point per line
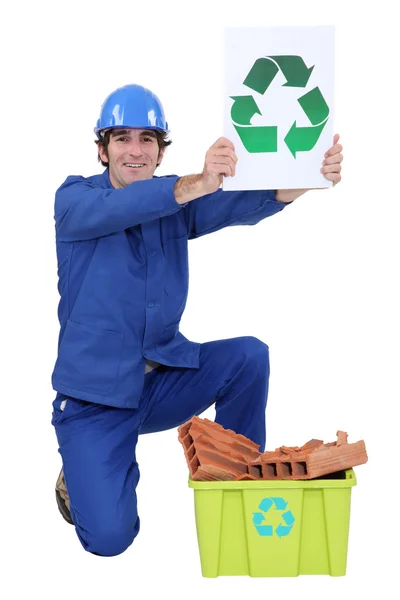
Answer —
121 139
148 139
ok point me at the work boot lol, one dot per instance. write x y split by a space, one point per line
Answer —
63 498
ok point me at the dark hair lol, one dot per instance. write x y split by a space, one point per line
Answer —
105 140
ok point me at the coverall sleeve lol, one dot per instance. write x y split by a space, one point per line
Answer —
84 211
223 209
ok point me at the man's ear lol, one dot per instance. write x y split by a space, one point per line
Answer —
102 153
160 156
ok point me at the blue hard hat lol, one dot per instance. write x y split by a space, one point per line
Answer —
131 106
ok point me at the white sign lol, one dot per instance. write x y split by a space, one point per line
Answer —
278 105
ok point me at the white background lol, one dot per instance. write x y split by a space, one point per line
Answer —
279 105
317 282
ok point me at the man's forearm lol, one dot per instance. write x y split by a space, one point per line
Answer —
191 187
188 188
286 196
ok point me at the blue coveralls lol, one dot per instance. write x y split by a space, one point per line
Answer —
123 282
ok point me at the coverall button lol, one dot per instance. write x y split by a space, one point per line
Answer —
151 304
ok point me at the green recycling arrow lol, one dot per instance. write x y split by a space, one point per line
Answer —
259 78
314 106
254 139
258 139
303 139
244 109
264 70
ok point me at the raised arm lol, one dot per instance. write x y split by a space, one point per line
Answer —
84 211
215 209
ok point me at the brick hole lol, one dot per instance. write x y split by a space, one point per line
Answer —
194 464
286 469
187 442
191 452
301 468
270 470
255 471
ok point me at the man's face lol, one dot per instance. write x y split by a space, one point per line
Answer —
133 155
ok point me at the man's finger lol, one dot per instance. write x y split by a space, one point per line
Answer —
336 158
223 169
228 152
334 150
335 177
220 163
223 142
335 168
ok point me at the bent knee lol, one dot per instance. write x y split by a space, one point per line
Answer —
108 541
256 349
257 352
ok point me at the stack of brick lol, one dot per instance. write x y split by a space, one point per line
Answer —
214 454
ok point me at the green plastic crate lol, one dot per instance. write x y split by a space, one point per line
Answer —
275 528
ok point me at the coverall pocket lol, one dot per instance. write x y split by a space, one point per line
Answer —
70 408
88 358
59 410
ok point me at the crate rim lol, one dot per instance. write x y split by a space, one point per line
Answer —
349 480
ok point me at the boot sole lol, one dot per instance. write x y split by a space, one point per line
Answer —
62 507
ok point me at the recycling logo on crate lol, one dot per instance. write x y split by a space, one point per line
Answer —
282 529
259 78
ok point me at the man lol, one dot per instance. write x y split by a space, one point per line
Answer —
123 367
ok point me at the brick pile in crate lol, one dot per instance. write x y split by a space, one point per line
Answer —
214 454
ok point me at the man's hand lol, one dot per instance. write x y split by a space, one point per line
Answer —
331 169
220 161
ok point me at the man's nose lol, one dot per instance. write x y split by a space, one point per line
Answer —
135 148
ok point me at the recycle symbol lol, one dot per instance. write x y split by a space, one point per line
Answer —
283 529
259 78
